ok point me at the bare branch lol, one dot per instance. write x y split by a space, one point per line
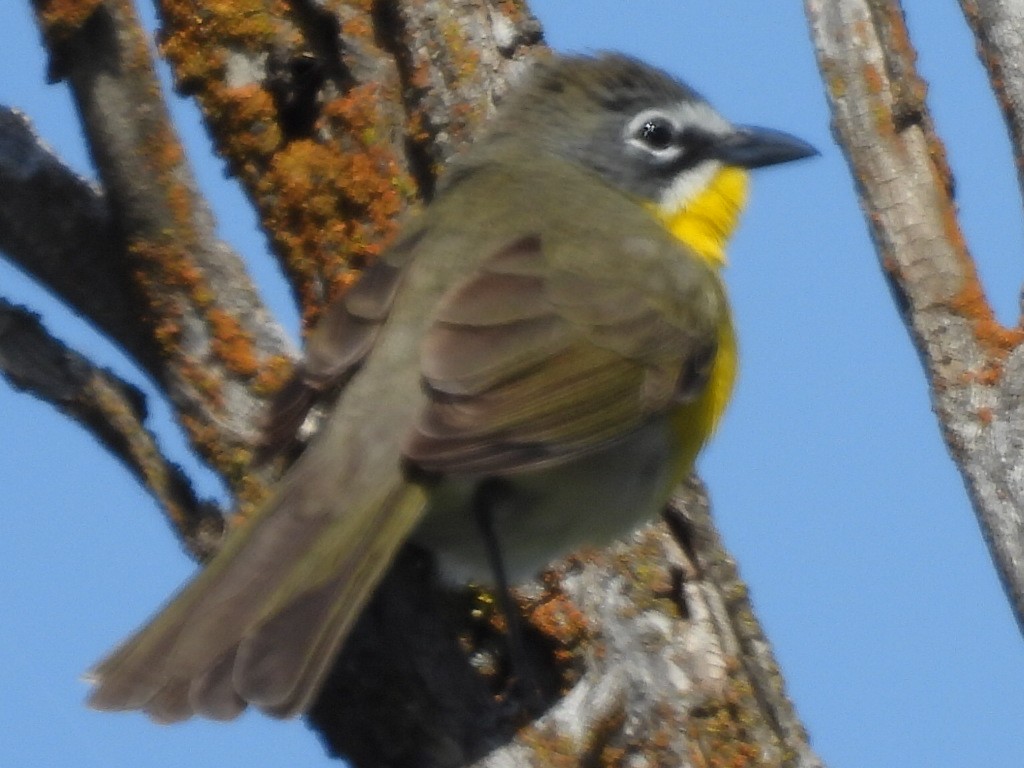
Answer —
998 27
55 226
220 350
975 365
111 410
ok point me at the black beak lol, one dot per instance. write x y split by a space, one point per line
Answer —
751 147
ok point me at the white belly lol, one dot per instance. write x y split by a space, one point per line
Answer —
542 515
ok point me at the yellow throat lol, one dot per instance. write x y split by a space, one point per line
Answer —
705 223
707 220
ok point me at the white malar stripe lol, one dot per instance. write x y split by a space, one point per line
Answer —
687 185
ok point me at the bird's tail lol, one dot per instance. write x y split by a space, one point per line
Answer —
263 621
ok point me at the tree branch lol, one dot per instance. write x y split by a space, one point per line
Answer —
650 645
55 226
975 365
998 27
112 411
336 116
220 351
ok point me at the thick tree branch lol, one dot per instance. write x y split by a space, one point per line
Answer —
336 116
648 647
112 411
975 365
749 655
220 351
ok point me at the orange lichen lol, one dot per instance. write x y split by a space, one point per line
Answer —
419 76
873 80
837 86
971 304
250 491
601 748
203 435
366 6
160 266
329 200
203 380
898 38
876 84
62 18
559 620
166 332
241 21
192 63
272 375
232 344
987 375
153 273
232 461
551 751
720 732
357 26
248 114
197 41
335 205
514 10
465 58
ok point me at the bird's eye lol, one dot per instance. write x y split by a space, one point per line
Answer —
656 133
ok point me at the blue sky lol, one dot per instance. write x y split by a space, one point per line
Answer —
829 479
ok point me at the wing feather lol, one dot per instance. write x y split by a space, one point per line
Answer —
527 363
336 347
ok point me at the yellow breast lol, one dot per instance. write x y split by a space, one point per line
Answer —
704 223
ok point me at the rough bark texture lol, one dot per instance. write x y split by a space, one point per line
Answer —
646 654
975 365
998 27
336 117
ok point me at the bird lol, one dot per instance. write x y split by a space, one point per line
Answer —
532 366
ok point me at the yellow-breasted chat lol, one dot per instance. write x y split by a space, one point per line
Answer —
548 344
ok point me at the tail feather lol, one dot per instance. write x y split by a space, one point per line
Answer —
212 695
262 622
272 659
280 664
170 704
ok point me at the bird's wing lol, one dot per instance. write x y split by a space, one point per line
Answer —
336 347
529 363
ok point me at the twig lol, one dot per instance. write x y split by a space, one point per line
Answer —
998 27
111 410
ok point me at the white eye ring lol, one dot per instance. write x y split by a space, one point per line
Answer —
653 132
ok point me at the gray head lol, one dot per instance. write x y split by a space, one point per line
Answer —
635 125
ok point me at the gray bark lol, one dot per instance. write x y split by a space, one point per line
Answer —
975 365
